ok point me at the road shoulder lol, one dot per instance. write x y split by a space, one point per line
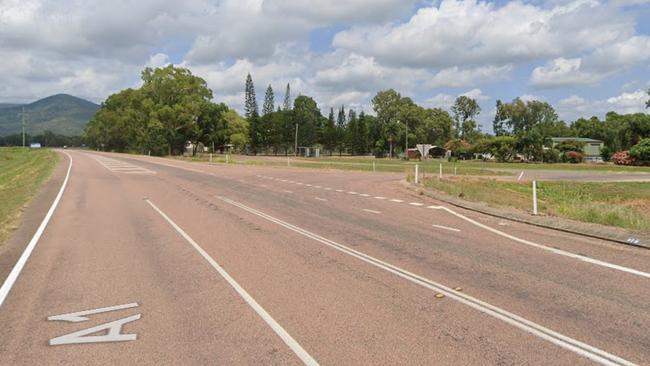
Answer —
31 218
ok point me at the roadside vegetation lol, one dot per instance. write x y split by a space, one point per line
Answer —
620 204
22 172
172 113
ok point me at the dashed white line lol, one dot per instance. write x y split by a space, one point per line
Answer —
328 189
320 199
287 191
416 204
561 340
364 195
339 190
352 192
446 228
372 211
380 197
396 200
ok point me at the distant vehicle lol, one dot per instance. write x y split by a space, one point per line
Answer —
35 145
65 146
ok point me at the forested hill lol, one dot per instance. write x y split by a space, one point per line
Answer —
61 113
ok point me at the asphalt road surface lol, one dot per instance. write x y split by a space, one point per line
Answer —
152 261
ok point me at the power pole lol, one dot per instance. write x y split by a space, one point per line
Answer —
23 124
296 143
406 144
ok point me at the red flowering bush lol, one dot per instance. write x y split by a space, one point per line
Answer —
622 158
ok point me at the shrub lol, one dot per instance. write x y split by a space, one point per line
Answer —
551 155
571 145
641 152
622 158
605 153
573 157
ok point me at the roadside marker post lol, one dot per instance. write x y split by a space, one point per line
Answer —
227 158
374 169
534 197
440 175
210 157
288 162
417 173
455 169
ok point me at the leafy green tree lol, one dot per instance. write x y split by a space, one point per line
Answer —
641 152
308 117
269 103
571 145
387 104
647 104
465 110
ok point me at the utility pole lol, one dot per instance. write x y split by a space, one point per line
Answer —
23 124
296 143
406 144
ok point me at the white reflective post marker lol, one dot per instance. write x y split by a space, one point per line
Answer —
374 169
534 197
210 157
440 176
417 174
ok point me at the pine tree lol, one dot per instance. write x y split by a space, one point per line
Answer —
269 102
287 98
250 105
340 130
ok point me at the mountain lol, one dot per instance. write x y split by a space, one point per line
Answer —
61 113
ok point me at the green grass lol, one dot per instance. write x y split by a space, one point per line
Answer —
625 205
22 172
352 163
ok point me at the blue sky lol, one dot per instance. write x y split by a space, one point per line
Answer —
585 57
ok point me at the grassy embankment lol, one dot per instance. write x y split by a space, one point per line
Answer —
22 172
625 205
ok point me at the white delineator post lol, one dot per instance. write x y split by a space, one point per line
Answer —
288 162
455 169
534 197
374 169
210 157
227 158
440 175
417 174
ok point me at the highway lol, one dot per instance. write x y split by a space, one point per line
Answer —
153 261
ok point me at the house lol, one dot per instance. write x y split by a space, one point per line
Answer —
591 150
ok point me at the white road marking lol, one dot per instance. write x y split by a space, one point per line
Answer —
113 333
306 358
371 211
351 192
80 316
446 228
287 191
380 197
308 185
339 190
416 204
550 249
320 199
18 267
396 200
119 166
517 321
328 189
364 195
298 183
319 187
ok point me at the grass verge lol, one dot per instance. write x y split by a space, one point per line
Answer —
22 172
620 204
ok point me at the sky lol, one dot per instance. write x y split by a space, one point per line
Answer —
585 57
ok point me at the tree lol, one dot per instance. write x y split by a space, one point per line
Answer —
647 104
498 124
269 103
250 103
465 109
308 117
330 133
341 125
641 152
387 105
287 98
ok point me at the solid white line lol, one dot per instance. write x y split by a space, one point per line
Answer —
552 250
540 331
446 228
371 211
18 267
277 328
320 199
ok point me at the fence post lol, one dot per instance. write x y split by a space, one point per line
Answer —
534 197
417 174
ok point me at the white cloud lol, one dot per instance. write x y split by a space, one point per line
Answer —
472 32
456 77
633 102
563 72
